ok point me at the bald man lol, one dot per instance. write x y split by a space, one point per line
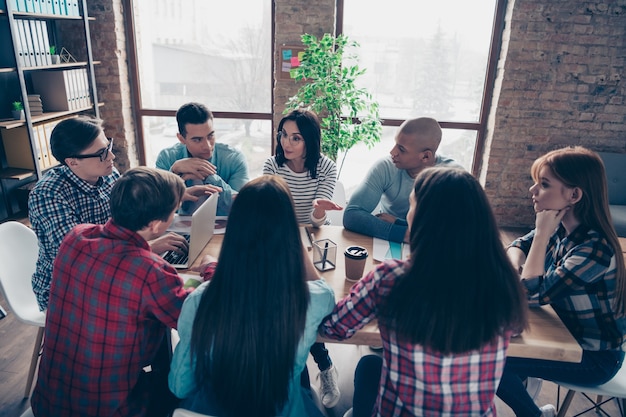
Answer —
390 181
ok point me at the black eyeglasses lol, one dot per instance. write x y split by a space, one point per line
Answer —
102 153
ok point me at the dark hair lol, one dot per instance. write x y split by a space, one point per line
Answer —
145 194
72 136
310 129
460 290
251 317
192 113
580 167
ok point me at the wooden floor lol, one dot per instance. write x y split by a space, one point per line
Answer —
17 339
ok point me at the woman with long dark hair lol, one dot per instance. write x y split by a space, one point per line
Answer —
572 260
445 316
245 335
311 176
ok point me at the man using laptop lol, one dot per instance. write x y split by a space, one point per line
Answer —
77 191
112 302
198 159
198 234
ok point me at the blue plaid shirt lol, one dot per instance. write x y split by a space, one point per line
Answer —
60 201
579 283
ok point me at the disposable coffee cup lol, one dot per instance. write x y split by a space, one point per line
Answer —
356 256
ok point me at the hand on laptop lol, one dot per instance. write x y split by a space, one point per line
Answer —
193 168
196 191
169 241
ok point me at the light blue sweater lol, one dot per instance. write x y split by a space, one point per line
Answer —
181 378
391 187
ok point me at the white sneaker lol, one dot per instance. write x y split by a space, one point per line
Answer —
548 411
348 413
533 386
328 387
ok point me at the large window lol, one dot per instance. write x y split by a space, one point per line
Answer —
423 58
215 53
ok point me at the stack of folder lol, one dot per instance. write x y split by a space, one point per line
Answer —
35 104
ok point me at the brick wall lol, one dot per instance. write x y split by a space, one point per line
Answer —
561 84
112 78
295 18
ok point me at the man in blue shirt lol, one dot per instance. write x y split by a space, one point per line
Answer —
198 159
390 182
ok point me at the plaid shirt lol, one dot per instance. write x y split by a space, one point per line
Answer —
579 283
59 202
112 301
415 380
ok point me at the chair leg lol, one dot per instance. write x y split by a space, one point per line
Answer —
566 402
33 362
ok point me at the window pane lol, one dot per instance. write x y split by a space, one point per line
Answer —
432 63
252 137
188 50
455 144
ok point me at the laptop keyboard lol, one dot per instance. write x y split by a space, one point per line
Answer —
177 258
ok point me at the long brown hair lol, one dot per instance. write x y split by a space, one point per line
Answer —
580 167
460 290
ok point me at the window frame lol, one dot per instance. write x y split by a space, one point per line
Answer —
135 86
479 127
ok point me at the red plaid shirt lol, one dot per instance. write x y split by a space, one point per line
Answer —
112 300
415 380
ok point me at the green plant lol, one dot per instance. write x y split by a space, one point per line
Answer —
18 106
53 50
348 114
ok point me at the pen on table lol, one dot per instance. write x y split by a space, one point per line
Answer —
324 255
310 235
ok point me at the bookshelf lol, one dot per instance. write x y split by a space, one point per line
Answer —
50 90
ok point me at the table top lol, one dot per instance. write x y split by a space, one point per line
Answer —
546 337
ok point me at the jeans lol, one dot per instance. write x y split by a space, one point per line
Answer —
366 384
596 368
320 356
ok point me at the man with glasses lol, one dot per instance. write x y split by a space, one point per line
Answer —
75 192
199 160
389 182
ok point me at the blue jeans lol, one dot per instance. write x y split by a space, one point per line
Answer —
366 383
596 368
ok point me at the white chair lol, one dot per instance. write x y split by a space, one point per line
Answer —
615 388
181 412
18 258
28 413
339 196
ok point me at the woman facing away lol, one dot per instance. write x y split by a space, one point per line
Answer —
572 260
246 334
445 316
311 177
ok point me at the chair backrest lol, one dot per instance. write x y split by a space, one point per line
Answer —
339 197
615 176
18 257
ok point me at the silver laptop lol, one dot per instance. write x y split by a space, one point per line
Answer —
199 233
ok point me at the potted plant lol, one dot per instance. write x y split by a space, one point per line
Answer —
18 110
347 113
56 58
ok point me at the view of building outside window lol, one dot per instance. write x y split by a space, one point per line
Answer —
430 62
218 54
